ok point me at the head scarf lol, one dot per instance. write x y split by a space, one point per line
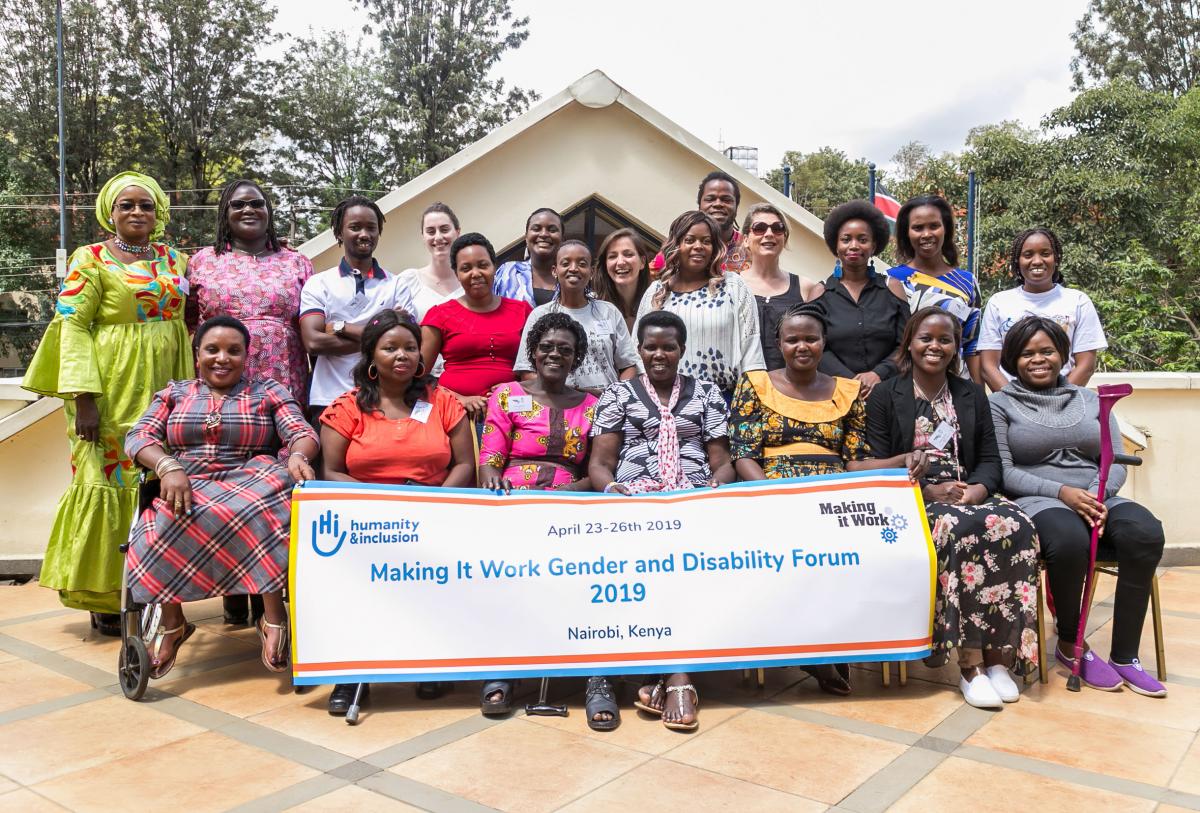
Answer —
116 184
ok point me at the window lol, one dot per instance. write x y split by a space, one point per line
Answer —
590 221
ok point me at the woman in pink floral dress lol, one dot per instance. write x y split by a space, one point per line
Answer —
249 275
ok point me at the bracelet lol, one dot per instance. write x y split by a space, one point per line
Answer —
165 465
609 488
301 455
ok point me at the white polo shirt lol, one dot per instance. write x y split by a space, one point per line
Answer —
344 294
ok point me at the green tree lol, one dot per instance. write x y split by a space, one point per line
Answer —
822 179
332 139
437 56
196 88
1153 43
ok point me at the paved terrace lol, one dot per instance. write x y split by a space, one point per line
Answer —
220 733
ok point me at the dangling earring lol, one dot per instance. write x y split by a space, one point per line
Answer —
371 368
870 268
837 269
421 369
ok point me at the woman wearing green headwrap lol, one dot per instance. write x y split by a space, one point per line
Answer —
117 337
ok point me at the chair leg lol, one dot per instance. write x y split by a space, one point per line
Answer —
1160 652
1041 631
903 673
762 678
887 674
1091 595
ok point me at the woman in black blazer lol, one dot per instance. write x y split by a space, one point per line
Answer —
986 548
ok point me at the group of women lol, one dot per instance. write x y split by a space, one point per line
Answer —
610 372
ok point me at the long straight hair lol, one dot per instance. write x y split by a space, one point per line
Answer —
602 283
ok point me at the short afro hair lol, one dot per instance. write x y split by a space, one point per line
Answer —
1025 329
863 210
223 320
557 320
662 319
471 238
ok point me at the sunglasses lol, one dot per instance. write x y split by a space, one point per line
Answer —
547 348
129 205
239 205
760 228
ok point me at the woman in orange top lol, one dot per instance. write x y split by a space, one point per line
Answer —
394 428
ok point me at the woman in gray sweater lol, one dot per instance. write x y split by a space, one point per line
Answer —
1048 431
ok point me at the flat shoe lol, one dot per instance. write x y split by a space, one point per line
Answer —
978 692
1094 673
1137 679
1003 683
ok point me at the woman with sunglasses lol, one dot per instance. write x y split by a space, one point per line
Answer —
247 274
765 235
117 338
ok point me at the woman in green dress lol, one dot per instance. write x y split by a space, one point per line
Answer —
117 337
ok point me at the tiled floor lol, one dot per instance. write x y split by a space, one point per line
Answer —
220 733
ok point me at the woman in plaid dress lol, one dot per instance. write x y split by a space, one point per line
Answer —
220 524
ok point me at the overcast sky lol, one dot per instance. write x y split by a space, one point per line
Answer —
865 77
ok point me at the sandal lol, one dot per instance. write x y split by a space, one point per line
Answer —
501 706
657 695
276 661
598 699
156 643
679 690
107 624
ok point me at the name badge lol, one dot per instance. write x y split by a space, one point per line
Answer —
358 303
520 403
421 411
958 308
941 436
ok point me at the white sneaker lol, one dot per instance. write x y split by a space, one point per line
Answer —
1002 682
980 693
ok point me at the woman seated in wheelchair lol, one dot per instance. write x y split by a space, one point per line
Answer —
1048 432
220 524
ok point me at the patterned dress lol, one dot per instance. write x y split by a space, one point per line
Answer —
956 292
700 416
542 447
794 438
722 331
236 538
118 333
986 554
263 293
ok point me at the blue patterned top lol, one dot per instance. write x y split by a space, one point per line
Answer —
956 292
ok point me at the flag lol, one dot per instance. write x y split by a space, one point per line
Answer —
886 203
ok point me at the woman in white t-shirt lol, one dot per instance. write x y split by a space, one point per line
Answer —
1035 262
435 283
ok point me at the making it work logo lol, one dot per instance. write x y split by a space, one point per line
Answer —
850 513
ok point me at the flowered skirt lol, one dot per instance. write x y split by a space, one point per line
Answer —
987 577
234 541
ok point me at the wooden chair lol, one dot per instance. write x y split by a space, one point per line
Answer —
1109 568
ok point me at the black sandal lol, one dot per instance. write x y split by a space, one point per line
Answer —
599 698
107 624
830 680
501 706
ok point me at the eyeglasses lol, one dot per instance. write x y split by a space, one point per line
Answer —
760 228
129 205
255 203
547 348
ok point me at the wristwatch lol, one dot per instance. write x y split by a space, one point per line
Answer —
336 328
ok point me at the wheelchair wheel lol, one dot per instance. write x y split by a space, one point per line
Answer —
133 668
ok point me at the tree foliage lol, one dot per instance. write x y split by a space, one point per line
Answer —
438 56
1152 43
822 179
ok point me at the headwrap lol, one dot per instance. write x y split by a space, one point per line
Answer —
116 184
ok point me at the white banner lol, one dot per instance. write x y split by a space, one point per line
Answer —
401 583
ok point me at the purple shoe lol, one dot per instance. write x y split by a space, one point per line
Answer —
1095 673
1137 679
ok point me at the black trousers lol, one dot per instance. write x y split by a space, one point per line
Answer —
1133 537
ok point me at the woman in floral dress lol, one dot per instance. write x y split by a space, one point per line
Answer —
986 547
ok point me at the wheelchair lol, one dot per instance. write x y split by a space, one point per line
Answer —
138 621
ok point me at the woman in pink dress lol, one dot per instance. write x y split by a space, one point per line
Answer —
249 275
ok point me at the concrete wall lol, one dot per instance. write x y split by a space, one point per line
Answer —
560 161
34 472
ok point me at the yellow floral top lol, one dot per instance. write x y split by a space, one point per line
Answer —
794 438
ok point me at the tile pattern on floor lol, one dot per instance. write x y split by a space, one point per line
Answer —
220 733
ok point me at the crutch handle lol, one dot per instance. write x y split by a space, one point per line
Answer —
1127 459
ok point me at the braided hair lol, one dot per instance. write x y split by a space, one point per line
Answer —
671 251
814 310
224 239
368 388
1014 260
338 218
557 320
